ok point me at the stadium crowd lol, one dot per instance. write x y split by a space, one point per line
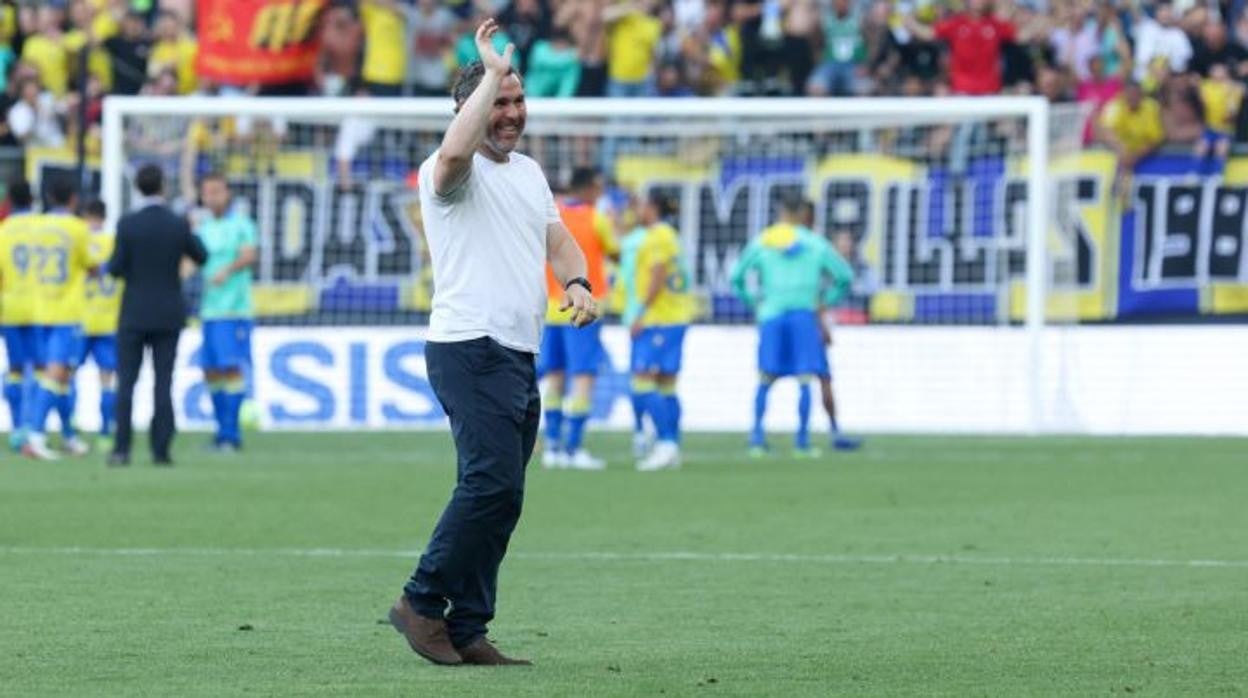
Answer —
1189 59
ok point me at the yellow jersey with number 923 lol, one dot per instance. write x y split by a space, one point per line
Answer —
18 288
56 252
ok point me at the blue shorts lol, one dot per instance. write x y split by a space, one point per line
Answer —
103 351
659 350
227 344
59 344
22 345
791 345
575 350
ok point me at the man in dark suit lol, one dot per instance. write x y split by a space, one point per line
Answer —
151 243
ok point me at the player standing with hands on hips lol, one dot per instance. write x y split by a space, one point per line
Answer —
492 225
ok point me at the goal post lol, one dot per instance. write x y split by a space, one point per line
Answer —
948 201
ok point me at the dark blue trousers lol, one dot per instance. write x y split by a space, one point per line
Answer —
490 394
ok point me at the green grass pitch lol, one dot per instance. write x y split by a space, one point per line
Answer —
920 566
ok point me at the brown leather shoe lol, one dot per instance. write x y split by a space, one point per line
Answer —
483 652
426 636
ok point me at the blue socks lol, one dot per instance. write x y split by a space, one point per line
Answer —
46 396
641 393
218 409
639 411
65 402
235 391
227 402
664 424
577 411
108 410
671 405
757 436
13 396
554 429
803 416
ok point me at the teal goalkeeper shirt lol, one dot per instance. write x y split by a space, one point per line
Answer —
552 72
629 247
792 265
225 238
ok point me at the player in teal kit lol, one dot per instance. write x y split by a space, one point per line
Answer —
790 264
630 245
226 307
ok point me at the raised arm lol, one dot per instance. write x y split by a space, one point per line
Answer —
922 32
467 129
615 12
568 263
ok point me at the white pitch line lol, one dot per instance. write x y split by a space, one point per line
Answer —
674 556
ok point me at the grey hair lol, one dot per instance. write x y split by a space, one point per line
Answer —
468 78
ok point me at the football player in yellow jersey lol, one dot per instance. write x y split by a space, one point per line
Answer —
99 323
17 308
665 309
58 254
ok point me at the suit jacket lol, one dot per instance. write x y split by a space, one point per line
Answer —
151 243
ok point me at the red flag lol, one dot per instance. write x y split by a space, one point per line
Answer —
258 41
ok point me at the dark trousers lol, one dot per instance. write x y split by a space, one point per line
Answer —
490 394
130 346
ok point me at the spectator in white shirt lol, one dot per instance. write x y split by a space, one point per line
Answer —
1075 43
34 120
1161 38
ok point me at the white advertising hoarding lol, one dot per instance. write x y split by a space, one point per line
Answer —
1097 380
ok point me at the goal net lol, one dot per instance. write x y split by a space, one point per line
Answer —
948 209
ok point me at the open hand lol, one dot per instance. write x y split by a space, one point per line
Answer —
493 61
581 303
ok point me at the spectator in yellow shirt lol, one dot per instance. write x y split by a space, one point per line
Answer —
633 35
1131 125
175 50
80 37
46 51
385 59
1221 97
106 18
719 41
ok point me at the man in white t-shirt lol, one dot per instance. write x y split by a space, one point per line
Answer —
1161 39
33 119
491 225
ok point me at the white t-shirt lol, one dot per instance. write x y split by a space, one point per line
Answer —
487 244
1153 40
37 123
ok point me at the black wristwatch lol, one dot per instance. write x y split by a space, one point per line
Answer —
579 281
